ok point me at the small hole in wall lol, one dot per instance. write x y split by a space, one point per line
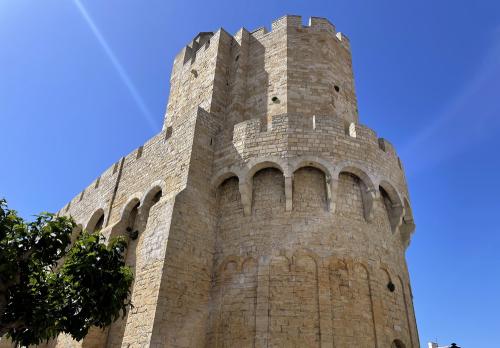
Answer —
194 72
237 57
391 286
336 88
275 99
211 141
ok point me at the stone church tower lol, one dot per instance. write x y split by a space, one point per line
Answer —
267 215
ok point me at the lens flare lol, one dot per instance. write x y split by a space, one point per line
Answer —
117 65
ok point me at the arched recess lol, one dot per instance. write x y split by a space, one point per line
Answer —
392 304
340 297
366 186
224 174
392 203
352 302
405 303
96 221
128 228
133 225
293 302
312 161
229 211
267 162
408 226
247 180
318 163
233 304
153 195
311 191
398 344
268 192
363 312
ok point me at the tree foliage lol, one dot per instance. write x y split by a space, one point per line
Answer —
49 285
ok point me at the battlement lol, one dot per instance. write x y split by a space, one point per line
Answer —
315 124
261 73
315 24
294 21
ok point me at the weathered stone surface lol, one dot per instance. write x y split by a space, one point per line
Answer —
268 216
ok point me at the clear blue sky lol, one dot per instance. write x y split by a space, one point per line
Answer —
78 91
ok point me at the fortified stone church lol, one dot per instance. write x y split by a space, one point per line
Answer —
267 215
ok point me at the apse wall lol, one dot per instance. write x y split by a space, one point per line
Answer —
319 211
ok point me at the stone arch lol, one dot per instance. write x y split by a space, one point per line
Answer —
340 293
408 225
361 265
131 203
229 259
325 193
246 176
356 169
128 226
268 192
392 202
258 164
406 310
133 224
386 273
149 196
368 191
119 228
248 307
234 299
96 221
397 343
391 314
306 253
408 215
229 209
248 262
363 303
312 161
224 174
293 296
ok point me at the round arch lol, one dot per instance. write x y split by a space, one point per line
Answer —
395 209
95 220
312 161
357 170
393 194
397 343
154 188
222 176
265 163
131 203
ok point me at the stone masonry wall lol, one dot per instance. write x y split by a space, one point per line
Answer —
268 216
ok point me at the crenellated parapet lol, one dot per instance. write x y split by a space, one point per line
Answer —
262 73
290 135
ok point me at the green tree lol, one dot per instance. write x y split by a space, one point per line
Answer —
48 286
